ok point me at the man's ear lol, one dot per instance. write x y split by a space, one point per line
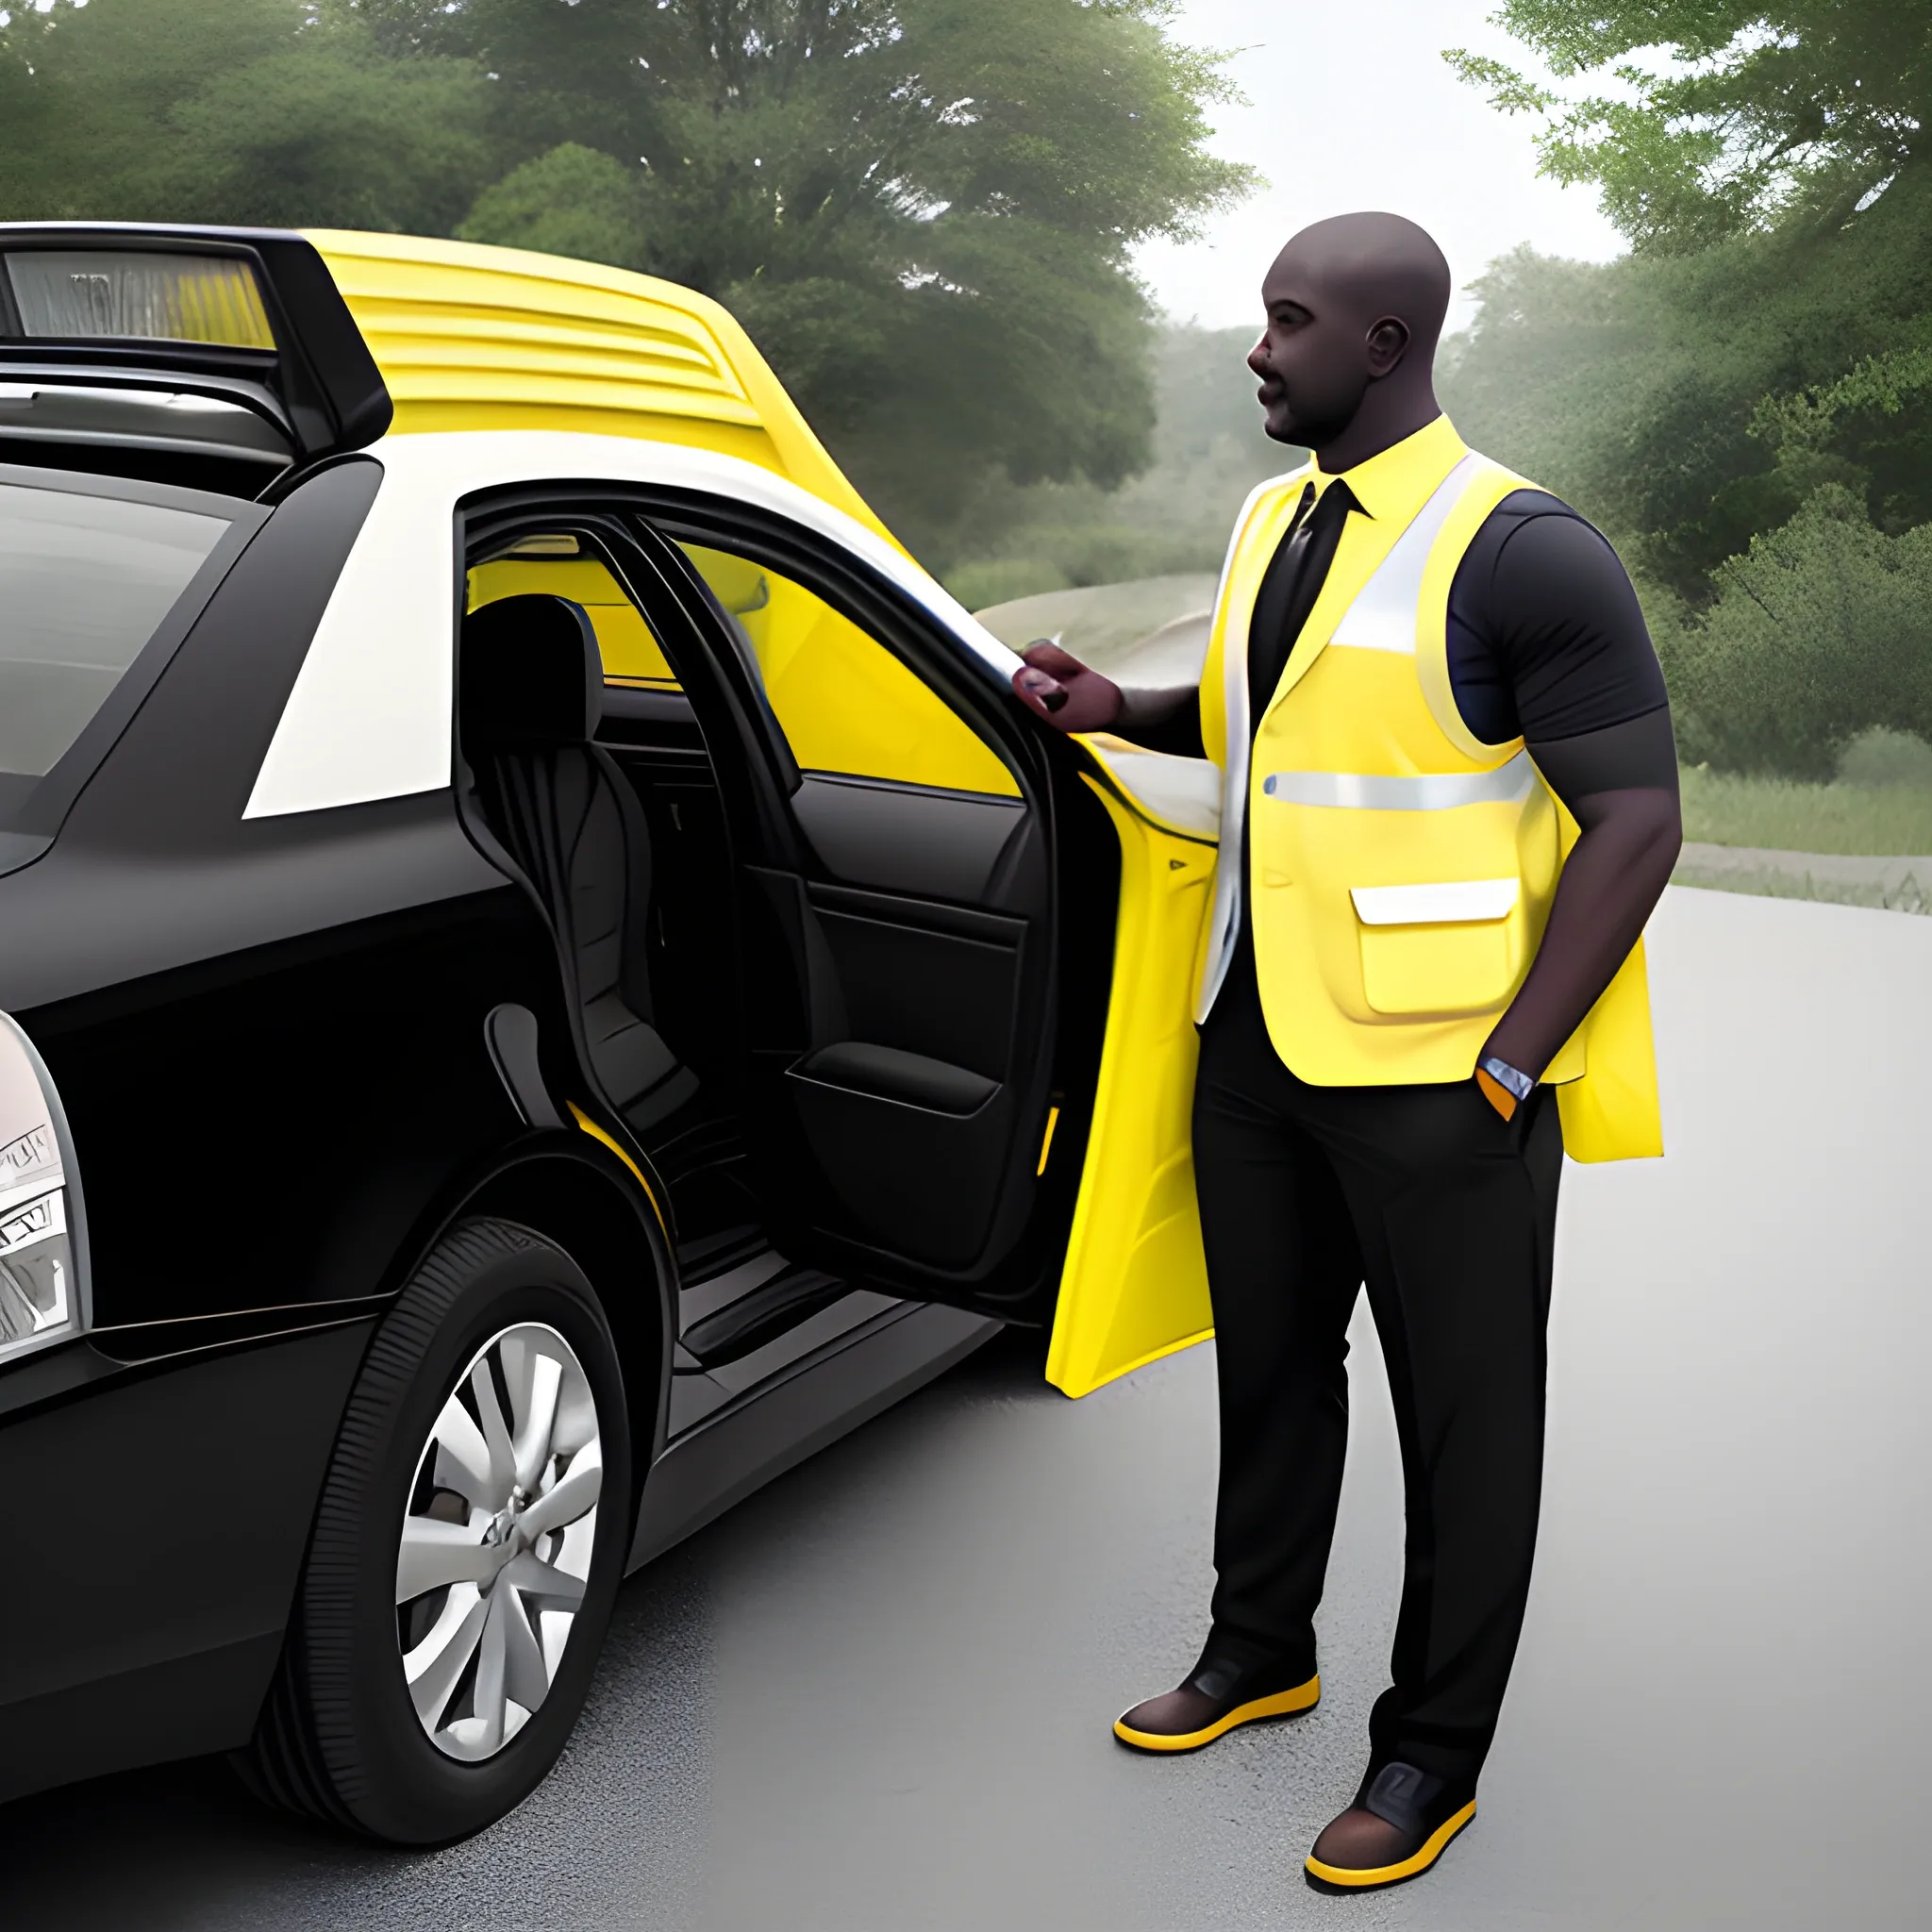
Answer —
1387 339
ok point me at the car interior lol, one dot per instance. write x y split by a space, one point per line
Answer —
828 1015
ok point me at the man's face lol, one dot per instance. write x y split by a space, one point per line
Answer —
1313 360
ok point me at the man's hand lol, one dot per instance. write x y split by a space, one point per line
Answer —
1056 686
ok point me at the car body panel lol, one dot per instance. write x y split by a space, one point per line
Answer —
174 1501
472 337
390 624
1135 1284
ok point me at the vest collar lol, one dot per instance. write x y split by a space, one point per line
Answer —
1395 481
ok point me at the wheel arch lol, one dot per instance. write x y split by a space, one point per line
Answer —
581 1199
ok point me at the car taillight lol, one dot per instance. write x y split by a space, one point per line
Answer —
78 295
42 1294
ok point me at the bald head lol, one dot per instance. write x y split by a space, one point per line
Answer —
1354 309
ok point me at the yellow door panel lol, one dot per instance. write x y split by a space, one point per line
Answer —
630 653
1135 1285
844 702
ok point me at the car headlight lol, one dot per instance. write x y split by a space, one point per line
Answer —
42 1291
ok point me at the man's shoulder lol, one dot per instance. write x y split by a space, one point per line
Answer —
1530 515
1526 498
1531 544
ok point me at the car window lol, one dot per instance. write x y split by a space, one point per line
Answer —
844 702
85 581
558 564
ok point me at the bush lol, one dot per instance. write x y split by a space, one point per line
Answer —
1821 630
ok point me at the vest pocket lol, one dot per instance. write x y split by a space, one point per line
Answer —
1445 949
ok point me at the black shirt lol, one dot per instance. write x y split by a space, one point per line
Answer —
1546 640
1545 637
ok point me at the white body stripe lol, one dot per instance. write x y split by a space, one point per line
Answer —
370 714
1508 783
1454 903
1383 616
1227 913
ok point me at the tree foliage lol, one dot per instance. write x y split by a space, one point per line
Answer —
1820 632
923 210
1745 401
231 111
1727 115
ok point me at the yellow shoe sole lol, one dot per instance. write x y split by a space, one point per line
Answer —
1282 1704
1369 1877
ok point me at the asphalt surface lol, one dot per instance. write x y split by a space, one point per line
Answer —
877 1695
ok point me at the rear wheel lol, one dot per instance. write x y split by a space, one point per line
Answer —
467 1549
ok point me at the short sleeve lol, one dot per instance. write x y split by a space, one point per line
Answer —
1547 639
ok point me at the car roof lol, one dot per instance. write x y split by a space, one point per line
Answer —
475 338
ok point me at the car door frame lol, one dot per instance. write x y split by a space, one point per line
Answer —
642 526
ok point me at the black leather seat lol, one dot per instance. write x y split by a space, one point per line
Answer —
532 693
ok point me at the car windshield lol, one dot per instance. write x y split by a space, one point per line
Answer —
86 579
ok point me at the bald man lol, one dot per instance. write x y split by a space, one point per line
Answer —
1450 806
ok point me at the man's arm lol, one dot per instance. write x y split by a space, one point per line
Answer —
1621 787
1560 653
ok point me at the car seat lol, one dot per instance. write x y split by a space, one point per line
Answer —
531 697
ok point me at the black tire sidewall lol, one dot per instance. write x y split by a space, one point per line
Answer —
483 1278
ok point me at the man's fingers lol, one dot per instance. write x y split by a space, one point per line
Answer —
1043 693
1048 657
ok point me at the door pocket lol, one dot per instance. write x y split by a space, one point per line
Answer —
1440 950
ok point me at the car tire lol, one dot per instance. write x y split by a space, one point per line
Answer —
357 1727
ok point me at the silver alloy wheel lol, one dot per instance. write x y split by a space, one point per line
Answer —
497 1541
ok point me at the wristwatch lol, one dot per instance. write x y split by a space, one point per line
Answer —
1511 1079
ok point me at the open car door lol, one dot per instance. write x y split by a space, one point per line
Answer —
898 907
1134 1286
965 944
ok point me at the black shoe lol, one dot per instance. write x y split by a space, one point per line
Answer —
1400 1824
1213 1699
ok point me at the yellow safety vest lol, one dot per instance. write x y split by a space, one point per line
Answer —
1401 870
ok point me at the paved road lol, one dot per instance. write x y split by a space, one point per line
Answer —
876 1695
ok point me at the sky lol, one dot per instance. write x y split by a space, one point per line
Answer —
1352 106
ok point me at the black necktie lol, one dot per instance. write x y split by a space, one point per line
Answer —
1292 583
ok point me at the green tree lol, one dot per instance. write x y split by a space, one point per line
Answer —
1745 401
1761 340
923 210
1820 631
1688 402
1755 114
232 110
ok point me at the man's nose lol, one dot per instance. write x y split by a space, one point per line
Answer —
1257 358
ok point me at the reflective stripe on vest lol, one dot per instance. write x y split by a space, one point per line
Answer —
1509 784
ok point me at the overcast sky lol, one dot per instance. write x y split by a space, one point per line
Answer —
1352 106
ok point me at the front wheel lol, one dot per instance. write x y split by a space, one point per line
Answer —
467 1550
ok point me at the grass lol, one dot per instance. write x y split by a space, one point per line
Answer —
1720 809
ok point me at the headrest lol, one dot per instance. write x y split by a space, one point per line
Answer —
530 674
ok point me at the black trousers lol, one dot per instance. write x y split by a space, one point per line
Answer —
1448 1213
